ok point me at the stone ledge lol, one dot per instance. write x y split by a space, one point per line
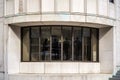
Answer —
1 76
59 76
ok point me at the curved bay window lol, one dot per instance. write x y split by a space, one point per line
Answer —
59 43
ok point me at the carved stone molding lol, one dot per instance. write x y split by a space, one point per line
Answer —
20 6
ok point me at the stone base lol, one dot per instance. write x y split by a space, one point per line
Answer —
59 76
1 76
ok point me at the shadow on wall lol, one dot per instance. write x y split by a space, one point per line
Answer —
104 31
106 49
16 30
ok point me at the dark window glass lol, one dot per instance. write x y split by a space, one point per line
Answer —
94 44
34 37
45 43
77 44
25 44
59 43
56 43
67 43
87 44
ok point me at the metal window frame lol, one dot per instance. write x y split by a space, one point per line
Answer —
72 44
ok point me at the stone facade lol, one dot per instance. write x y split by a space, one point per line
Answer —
101 14
1 40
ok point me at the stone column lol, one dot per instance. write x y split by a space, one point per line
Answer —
20 6
1 40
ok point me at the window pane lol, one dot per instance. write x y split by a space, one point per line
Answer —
59 43
94 44
77 44
25 44
67 43
45 43
56 43
35 33
87 44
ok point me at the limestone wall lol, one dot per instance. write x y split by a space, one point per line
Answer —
1 40
89 11
117 38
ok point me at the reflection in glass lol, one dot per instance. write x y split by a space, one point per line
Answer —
94 44
35 33
87 44
45 43
56 43
77 44
25 44
67 43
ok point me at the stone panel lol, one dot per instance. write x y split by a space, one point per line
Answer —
1 76
34 67
1 8
103 7
45 7
106 49
69 67
1 45
59 77
53 67
33 6
77 6
92 6
62 5
9 7
13 49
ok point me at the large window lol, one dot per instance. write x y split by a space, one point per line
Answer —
59 43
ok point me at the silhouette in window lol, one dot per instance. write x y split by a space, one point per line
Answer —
45 48
66 46
77 49
55 49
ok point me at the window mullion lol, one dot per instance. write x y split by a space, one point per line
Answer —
97 45
91 35
30 43
82 45
72 44
61 45
50 44
88 36
40 44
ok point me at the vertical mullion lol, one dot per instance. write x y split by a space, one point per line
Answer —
97 44
61 45
82 45
72 44
39 43
50 44
91 36
21 31
30 43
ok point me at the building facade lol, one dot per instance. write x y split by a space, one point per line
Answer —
59 39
